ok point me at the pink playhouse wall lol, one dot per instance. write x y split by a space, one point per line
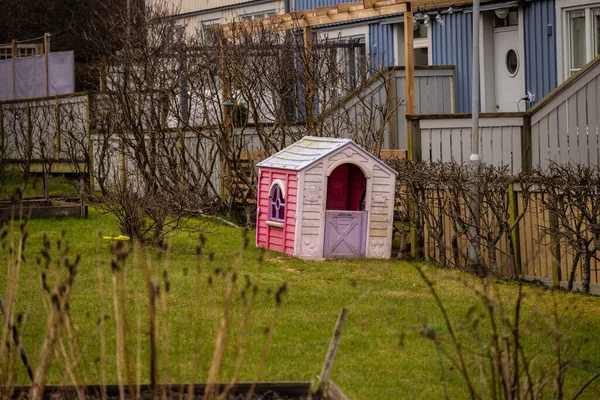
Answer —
275 238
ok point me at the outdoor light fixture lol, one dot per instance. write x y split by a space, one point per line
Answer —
502 13
228 104
426 20
450 10
439 18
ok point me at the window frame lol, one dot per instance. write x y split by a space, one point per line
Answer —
206 30
277 215
357 41
570 56
564 8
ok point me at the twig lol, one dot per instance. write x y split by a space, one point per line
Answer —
331 352
17 340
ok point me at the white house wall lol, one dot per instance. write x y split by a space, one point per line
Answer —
193 12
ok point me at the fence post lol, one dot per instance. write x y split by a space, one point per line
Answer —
2 153
513 212
57 133
91 118
413 136
392 104
526 154
29 135
526 166
181 148
555 247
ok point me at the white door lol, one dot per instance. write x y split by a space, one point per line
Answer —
508 70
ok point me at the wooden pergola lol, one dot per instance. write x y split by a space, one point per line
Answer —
346 12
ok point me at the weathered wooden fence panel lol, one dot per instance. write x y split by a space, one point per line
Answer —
450 140
455 241
565 125
536 257
537 261
50 130
434 94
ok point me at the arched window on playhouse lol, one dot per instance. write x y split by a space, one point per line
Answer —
276 204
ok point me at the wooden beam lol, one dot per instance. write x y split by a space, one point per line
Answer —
309 94
46 51
320 16
411 127
368 3
227 122
325 10
14 73
409 61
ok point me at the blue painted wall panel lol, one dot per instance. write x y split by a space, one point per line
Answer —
452 45
540 48
300 5
381 45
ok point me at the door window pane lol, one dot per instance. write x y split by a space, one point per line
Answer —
421 56
577 40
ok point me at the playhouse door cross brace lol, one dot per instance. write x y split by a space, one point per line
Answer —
343 236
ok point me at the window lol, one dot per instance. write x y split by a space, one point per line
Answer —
276 204
273 37
596 23
421 44
582 38
512 62
345 67
259 15
577 40
505 17
208 33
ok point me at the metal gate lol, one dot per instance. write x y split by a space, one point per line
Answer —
345 234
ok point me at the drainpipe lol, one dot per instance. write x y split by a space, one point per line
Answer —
475 160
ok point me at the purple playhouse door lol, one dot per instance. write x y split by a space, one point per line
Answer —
345 234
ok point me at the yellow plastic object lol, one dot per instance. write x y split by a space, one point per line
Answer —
120 237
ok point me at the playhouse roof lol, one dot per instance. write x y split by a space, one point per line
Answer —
307 151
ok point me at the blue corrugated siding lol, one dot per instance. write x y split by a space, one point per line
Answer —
300 5
452 45
381 45
540 49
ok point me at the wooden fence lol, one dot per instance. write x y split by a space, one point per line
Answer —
564 127
537 254
46 133
434 94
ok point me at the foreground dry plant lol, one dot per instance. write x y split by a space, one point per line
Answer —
220 295
491 347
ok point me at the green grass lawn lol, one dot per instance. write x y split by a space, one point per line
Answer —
387 301
57 184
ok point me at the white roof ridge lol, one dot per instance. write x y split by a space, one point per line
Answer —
302 154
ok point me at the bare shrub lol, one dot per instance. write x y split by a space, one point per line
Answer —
571 196
438 200
165 138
